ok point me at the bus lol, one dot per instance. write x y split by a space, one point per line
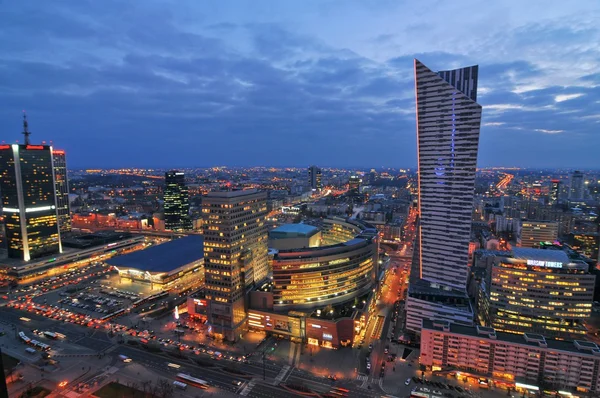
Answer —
30 350
124 358
182 377
180 385
50 335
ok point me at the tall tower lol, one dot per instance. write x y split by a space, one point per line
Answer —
314 178
577 187
28 201
63 209
235 255
448 122
177 203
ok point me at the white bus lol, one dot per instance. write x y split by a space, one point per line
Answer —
180 385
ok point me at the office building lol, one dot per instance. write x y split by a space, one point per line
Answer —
577 193
535 232
28 194
235 255
177 203
63 210
314 178
526 362
538 291
554 195
448 122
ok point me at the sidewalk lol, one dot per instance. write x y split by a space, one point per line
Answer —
324 361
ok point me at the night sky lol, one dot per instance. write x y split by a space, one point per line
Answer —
292 83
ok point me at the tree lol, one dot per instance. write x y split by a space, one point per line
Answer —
165 389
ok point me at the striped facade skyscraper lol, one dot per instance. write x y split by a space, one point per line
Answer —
448 120
448 123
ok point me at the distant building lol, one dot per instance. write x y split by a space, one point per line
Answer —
538 291
177 203
554 196
235 255
29 201
372 177
526 362
534 232
315 178
354 184
577 192
294 236
62 190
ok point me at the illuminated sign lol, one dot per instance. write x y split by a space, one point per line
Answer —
327 336
200 302
36 147
41 208
315 326
547 264
4 146
58 152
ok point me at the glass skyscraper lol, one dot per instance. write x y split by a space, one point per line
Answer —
28 191
177 203
62 190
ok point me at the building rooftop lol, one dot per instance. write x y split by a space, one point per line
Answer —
231 194
164 257
532 340
293 230
523 253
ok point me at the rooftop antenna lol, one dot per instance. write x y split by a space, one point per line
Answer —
26 131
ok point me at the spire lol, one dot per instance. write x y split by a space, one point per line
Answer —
26 131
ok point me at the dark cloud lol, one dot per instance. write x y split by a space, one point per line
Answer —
125 84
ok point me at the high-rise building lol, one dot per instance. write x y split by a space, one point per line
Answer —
354 184
538 291
448 122
372 177
314 178
577 192
235 255
28 202
535 232
177 203
554 195
63 209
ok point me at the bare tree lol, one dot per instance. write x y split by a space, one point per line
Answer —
165 389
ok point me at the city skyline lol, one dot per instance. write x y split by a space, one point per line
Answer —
162 76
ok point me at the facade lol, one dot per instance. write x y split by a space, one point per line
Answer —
576 192
539 291
235 255
308 277
29 203
63 210
315 178
529 361
177 202
554 195
535 232
448 123
294 236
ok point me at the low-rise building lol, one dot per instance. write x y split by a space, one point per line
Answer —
526 359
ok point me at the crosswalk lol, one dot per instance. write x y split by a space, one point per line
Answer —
281 375
248 388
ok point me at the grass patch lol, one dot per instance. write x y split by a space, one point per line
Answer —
117 390
36 392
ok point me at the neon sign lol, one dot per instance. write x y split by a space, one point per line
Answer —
547 264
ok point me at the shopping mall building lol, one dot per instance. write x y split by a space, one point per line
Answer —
319 294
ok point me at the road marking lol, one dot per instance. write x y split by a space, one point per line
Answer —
248 388
281 375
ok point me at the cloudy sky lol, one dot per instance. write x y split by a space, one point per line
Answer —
202 83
